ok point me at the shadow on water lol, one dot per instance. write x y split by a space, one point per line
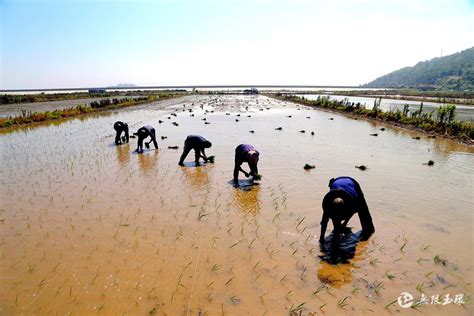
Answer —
336 268
244 185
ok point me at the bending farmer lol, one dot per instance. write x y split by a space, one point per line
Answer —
344 199
245 153
119 128
199 144
143 133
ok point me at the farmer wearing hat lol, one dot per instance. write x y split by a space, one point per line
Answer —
344 199
245 153
199 144
143 133
119 128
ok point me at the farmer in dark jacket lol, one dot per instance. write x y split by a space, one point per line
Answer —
245 153
199 144
121 127
344 199
143 133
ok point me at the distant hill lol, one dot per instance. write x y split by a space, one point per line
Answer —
123 85
453 72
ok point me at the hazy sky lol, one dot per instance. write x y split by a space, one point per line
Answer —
53 44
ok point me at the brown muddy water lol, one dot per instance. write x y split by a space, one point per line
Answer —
87 227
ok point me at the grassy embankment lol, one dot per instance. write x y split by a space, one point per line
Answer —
45 97
95 106
441 123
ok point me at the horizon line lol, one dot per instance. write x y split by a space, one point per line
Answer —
178 87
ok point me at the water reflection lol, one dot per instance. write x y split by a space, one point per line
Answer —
197 177
248 200
148 160
336 275
123 154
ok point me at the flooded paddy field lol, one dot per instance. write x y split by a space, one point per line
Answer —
87 227
463 112
7 110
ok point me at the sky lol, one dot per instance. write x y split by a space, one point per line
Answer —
74 43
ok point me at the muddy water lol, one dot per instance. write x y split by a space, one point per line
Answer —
88 227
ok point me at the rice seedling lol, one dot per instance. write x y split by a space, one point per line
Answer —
377 287
343 302
229 281
300 221
319 289
438 260
201 214
374 262
255 266
235 244
420 287
403 246
31 267
295 309
355 290
389 275
215 267
390 304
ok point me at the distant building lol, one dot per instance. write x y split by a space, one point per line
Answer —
251 91
96 91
